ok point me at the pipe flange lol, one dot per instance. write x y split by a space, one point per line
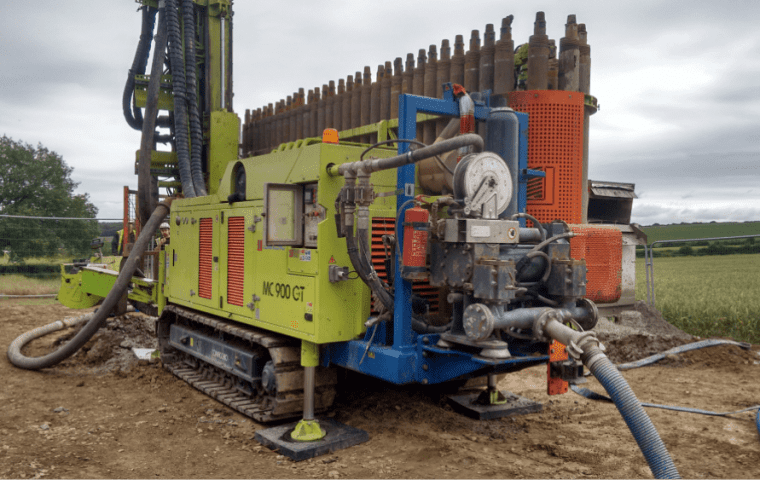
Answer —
478 321
540 323
590 321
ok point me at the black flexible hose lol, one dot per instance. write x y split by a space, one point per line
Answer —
147 201
412 156
98 318
374 282
132 113
365 274
180 106
196 129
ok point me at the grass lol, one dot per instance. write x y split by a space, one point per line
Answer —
17 284
700 230
711 296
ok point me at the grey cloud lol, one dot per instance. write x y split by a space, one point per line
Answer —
647 214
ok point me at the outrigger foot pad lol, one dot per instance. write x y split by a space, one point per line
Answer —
506 404
307 431
336 436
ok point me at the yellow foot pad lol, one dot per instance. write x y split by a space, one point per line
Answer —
307 431
469 405
337 436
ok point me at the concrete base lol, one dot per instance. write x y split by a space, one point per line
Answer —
516 405
338 437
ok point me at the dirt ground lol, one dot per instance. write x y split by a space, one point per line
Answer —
103 414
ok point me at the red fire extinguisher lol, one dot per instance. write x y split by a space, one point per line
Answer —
416 228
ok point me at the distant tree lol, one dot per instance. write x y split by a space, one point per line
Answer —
686 251
37 182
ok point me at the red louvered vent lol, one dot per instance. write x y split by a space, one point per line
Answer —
385 226
205 260
235 260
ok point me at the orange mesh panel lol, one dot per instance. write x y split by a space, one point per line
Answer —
602 248
205 260
235 260
555 145
385 226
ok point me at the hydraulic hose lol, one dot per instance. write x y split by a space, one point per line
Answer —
196 130
374 282
147 200
680 349
412 156
98 318
533 219
180 106
132 113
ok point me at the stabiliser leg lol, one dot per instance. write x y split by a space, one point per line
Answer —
310 437
492 403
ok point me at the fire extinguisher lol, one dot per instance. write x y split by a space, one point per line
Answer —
416 228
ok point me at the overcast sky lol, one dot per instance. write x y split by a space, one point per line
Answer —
678 83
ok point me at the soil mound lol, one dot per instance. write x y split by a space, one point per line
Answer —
109 350
639 333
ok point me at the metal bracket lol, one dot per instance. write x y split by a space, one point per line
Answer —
255 298
252 228
336 274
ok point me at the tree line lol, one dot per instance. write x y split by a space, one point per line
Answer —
37 182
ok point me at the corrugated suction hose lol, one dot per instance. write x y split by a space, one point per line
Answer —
633 413
95 320
586 346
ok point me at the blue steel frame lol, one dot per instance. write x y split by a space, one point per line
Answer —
414 357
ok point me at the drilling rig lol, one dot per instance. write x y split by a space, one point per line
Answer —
314 246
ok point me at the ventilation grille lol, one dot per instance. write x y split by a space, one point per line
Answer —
235 260
555 140
602 248
385 226
536 187
205 261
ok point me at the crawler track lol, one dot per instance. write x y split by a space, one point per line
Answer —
253 401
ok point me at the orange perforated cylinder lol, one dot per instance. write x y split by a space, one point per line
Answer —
602 248
555 146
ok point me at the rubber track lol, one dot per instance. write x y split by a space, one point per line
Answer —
285 353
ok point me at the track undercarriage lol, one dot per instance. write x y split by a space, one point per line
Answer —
268 387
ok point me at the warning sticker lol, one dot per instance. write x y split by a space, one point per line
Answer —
305 256
332 259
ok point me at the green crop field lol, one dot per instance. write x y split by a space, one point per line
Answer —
700 230
711 296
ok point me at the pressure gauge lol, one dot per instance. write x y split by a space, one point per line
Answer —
483 181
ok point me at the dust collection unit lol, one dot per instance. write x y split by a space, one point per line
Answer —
322 248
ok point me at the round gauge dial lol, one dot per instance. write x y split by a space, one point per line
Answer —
477 173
